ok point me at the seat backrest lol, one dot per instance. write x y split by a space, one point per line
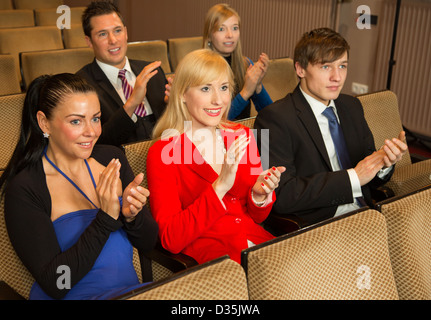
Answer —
383 118
136 154
248 122
9 81
10 119
12 271
37 4
16 40
156 50
38 63
49 17
74 37
16 18
342 258
280 78
409 232
179 47
6 5
220 279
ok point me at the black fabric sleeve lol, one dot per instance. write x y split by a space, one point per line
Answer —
33 236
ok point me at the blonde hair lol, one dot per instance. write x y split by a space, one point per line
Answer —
216 15
196 68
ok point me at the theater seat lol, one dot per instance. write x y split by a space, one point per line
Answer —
74 37
16 40
9 81
179 47
49 17
280 78
220 279
343 258
155 50
37 4
383 118
38 63
409 231
16 18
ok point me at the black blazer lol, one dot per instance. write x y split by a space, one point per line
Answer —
309 188
117 126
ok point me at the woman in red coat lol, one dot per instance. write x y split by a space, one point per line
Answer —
208 190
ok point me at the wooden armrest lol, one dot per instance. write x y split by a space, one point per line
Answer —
7 293
171 261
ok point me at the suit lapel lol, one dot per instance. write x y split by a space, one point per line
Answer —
194 160
105 84
306 116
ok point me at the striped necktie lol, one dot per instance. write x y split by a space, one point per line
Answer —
127 89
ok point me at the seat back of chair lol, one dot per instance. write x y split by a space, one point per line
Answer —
16 18
74 37
37 4
10 119
280 78
49 16
179 47
37 63
383 118
9 81
13 41
220 279
12 271
343 258
409 231
156 50
249 122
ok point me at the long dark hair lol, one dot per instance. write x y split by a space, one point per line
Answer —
43 94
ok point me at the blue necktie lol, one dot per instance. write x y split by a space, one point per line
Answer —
340 144
338 139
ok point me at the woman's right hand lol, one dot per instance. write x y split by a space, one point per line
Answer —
107 189
229 168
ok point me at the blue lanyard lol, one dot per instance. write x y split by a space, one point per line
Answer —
70 180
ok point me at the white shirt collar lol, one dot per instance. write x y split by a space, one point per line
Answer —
111 72
316 106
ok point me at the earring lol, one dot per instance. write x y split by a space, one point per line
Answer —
209 43
46 135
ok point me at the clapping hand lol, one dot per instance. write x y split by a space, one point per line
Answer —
134 198
266 183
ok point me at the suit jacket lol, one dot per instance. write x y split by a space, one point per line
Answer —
309 188
190 216
117 126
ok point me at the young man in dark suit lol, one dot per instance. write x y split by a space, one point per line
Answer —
123 117
318 184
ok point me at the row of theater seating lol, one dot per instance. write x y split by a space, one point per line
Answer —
19 18
364 255
407 241
29 4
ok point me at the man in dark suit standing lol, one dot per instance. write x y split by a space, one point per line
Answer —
328 172
131 100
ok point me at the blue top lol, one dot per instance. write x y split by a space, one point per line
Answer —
238 104
113 272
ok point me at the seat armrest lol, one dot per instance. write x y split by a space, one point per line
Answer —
171 261
7 293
